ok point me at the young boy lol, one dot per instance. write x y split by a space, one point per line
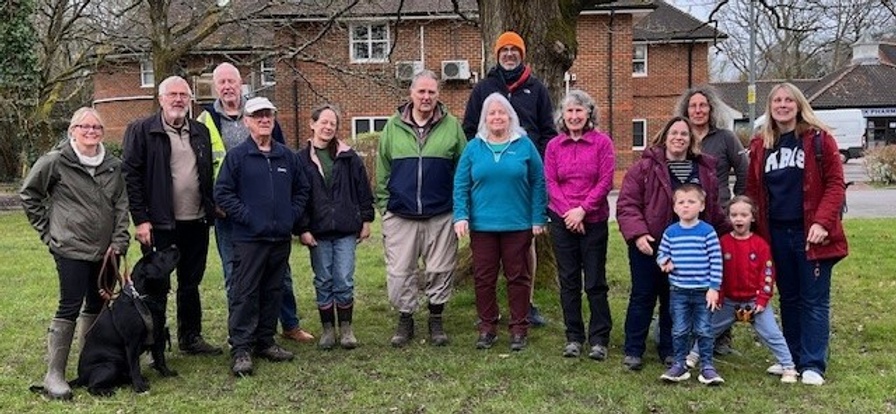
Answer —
690 253
747 287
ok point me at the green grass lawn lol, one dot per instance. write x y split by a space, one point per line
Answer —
458 378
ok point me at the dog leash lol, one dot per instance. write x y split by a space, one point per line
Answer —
106 287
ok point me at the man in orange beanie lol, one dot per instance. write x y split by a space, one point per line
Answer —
530 99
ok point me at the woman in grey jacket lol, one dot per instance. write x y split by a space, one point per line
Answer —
75 198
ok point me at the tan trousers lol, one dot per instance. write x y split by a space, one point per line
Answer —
408 244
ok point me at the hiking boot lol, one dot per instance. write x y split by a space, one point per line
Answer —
198 346
298 334
346 336
811 377
633 363
692 359
486 340
328 337
677 373
242 364
275 353
436 331
789 376
572 350
535 318
709 376
517 342
598 352
404 332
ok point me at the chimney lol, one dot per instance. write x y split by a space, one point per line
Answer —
865 51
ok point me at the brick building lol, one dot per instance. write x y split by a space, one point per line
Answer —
635 58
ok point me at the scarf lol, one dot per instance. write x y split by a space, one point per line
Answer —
516 77
90 161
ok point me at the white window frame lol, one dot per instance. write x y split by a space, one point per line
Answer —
369 42
637 60
147 76
643 123
267 72
371 120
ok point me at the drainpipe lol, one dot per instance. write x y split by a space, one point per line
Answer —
610 74
295 97
690 65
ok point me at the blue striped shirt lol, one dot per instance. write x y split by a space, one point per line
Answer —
696 255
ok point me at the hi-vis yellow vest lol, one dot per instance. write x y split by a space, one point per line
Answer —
218 149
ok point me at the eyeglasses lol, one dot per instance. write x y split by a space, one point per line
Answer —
262 114
97 128
178 95
509 50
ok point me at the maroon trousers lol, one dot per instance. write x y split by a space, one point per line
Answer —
491 251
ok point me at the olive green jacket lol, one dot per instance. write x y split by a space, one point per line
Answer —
77 215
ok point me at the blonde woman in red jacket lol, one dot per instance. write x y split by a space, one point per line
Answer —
799 198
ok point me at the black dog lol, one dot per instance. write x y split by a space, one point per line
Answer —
110 356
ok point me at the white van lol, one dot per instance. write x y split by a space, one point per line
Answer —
848 126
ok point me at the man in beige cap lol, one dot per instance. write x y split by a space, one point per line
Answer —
530 99
263 190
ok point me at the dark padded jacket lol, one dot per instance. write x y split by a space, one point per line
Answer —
146 165
342 208
531 101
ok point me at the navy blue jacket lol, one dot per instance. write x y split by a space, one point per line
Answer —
531 101
263 194
342 208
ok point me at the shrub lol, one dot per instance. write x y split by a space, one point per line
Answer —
113 148
880 164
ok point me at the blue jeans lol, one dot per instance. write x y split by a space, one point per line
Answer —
333 263
763 323
690 317
289 313
648 284
805 298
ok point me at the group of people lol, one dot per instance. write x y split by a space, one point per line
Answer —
510 171
708 270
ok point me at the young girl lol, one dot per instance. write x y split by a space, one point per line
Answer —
338 216
747 287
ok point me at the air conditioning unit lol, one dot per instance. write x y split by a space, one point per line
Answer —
455 70
405 71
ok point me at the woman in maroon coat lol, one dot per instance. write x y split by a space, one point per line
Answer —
644 210
796 178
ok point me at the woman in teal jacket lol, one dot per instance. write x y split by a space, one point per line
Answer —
500 200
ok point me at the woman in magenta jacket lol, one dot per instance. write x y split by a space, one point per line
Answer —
799 192
578 167
644 210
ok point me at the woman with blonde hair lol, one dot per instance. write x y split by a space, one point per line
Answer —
796 178
74 196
